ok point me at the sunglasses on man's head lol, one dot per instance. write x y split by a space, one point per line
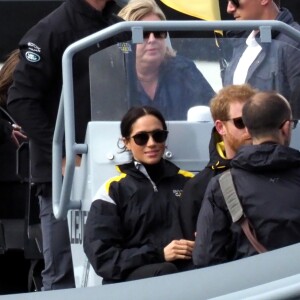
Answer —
236 3
157 34
238 122
142 138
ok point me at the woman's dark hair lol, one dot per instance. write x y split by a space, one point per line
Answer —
137 112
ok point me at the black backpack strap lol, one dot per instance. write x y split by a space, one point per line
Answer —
236 210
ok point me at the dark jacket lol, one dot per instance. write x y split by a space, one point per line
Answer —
277 67
34 96
133 218
181 86
267 180
5 130
194 189
8 149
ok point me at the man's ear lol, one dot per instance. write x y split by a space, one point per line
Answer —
220 127
247 131
285 133
265 2
286 128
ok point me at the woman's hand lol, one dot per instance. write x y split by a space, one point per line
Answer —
17 134
179 249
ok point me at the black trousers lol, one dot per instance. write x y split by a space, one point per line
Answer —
152 270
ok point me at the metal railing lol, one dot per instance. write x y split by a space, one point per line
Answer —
65 120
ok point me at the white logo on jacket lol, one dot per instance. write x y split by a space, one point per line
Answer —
33 47
32 57
177 193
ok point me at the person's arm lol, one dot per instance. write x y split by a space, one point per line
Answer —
292 67
33 79
17 135
213 230
105 247
199 91
179 249
192 197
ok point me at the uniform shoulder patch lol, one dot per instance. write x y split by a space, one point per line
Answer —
32 56
186 173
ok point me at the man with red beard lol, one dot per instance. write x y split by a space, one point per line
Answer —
227 136
266 180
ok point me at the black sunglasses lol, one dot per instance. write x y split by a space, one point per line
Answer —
293 122
236 3
157 34
238 122
159 136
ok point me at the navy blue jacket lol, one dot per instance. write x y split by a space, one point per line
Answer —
181 86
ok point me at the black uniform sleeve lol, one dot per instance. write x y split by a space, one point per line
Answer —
34 79
213 229
104 244
193 194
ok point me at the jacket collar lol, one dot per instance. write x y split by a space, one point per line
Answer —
266 157
136 169
284 16
217 155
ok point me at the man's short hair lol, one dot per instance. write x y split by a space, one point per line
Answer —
265 112
220 103
277 2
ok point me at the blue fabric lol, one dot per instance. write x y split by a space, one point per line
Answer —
181 86
277 67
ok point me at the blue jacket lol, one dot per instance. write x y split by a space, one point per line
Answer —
181 86
277 67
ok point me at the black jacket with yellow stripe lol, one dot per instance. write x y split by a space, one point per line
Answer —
194 190
133 217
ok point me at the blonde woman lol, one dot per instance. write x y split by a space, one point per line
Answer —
167 81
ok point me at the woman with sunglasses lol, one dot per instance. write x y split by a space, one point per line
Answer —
160 78
133 229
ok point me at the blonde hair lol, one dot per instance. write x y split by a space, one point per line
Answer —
220 103
6 75
135 10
